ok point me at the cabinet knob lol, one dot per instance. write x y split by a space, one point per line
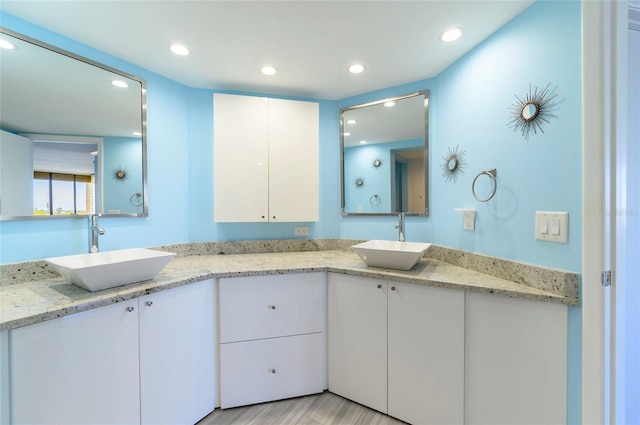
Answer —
272 307
130 309
149 303
274 216
379 286
393 288
272 371
262 216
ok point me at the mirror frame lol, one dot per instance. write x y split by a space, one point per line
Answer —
424 213
143 115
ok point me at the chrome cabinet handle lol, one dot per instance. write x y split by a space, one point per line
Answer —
379 286
149 303
272 371
271 307
130 309
393 288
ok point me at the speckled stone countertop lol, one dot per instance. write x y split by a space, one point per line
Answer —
31 293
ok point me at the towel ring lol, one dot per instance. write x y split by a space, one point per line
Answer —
492 175
375 200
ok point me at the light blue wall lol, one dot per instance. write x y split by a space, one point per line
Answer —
468 108
122 153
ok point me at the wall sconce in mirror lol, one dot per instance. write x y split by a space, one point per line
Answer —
454 164
394 160
532 111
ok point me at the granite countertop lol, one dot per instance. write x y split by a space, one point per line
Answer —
30 302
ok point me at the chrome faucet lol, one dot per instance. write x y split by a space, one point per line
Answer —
400 226
95 230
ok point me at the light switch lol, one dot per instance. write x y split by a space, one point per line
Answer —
552 226
544 226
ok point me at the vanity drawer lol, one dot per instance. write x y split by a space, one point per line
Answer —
255 307
271 369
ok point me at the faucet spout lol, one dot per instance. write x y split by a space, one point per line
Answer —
95 230
400 226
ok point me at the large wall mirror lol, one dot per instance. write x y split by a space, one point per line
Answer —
384 148
72 135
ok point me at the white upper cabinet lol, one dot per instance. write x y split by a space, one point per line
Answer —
266 159
16 175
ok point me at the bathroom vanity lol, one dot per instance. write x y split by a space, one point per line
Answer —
436 344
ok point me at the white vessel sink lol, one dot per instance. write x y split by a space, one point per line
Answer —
391 254
102 270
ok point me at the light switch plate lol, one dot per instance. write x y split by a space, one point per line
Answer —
552 226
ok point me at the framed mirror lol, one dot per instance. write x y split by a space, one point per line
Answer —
384 153
72 135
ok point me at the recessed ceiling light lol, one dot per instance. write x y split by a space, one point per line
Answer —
347 134
119 83
136 133
4 44
389 104
351 121
363 142
179 49
451 35
268 70
356 68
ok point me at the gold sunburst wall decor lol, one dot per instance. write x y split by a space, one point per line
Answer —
533 111
453 164
359 182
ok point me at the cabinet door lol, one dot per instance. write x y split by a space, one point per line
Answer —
16 174
177 354
357 343
271 369
293 161
426 354
516 361
240 158
254 307
77 369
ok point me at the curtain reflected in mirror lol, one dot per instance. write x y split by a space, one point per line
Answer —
73 141
384 156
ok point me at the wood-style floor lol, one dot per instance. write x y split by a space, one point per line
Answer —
317 409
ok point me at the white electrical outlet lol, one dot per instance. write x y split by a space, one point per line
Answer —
469 218
301 231
552 226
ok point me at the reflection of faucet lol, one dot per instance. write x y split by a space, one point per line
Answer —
400 226
94 231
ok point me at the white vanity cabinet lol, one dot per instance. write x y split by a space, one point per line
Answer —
516 361
266 159
177 354
149 360
397 348
272 337
78 369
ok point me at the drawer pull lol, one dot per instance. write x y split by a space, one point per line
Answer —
130 309
271 307
272 371
149 303
393 288
379 286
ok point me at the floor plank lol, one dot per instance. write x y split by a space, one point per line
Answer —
318 409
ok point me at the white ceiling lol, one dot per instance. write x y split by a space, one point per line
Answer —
311 43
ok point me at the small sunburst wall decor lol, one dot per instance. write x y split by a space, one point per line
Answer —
535 109
377 163
120 174
453 164
359 182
